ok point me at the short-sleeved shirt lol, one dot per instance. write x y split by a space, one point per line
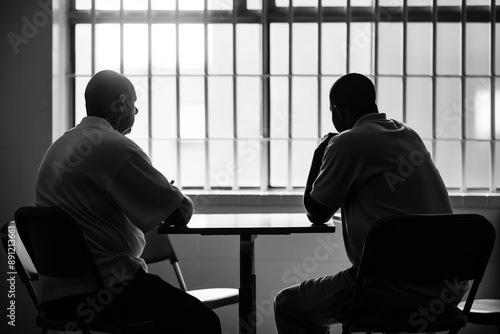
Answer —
108 185
378 168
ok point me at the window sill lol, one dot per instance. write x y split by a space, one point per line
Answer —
475 200
291 201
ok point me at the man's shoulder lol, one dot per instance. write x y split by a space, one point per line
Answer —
119 147
103 145
370 137
349 137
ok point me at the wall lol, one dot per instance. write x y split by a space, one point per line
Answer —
25 123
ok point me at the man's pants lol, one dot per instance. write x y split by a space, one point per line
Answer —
315 304
146 297
309 307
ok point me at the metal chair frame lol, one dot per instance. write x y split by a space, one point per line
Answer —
159 248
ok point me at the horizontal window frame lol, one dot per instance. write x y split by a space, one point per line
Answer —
302 14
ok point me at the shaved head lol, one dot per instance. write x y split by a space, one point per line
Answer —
111 96
351 97
102 95
353 90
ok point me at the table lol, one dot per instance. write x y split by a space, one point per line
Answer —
248 226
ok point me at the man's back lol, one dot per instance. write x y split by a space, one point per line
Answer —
378 168
373 168
77 174
381 168
106 183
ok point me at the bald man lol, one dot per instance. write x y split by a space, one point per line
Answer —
373 168
108 185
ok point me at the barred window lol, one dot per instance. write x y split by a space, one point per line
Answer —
233 94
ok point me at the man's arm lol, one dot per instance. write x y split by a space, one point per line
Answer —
317 213
146 197
182 215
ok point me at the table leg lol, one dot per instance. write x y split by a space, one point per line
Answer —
247 308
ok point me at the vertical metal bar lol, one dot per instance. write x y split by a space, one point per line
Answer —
122 19
235 102
434 78
348 36
205 67
492 95
72 82
463 77
150 86
405 60
265 179
178 95
290 89
376 42
92 31
320 74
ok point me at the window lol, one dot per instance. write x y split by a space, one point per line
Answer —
233 94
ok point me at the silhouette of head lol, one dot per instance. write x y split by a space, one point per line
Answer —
112 96
351 97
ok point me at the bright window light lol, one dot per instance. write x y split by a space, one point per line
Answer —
236 100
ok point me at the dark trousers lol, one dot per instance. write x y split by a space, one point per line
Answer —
315 304
145 297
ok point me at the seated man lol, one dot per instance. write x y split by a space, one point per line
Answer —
375 167
108 185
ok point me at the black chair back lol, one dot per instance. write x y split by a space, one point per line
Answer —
20 259
423 249
398 248
49 242
55 243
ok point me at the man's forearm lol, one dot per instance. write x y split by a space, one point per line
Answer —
316 163
317 159
316 212
313 174
314 170
187 209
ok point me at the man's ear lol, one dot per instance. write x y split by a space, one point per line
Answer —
339 113
121 105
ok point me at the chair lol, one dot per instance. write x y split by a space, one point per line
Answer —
22 263
159 248
422 249
484 312
52 244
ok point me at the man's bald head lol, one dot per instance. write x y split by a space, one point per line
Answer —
351 97
353 90
102 95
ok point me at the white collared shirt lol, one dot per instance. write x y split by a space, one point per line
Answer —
108 185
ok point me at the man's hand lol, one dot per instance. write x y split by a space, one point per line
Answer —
182 215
